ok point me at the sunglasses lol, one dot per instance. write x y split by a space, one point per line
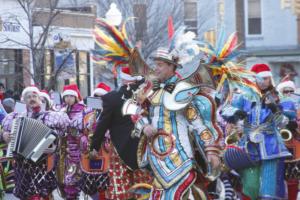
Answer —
288 91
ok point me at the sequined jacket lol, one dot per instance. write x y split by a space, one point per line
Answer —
170 152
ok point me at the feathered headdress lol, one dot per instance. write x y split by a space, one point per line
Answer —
113 46
186 48
232 75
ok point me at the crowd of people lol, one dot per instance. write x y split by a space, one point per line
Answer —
164 137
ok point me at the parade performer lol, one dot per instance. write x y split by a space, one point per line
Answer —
165 145
123 162
178 141
46 100
35 180
290 135
70 148
249 99
261 146
113 46
94 179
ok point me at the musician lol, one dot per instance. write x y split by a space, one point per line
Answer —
35 180
46 100
263 177
94 183
289 107
75 110
166 130
123 163
3 113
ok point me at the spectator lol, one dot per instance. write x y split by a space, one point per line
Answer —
9 104
2 89
9 94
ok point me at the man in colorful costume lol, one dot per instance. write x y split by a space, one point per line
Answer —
291 134
35 180
260 153
175 128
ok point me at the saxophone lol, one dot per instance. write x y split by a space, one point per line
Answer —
60 170
286 134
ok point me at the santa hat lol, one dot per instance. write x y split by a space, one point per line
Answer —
31 88
286 83
101 89
45 94
126 75
262 70
71 90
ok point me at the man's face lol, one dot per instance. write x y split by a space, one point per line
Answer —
163 70
264 83
287 91
32 100
70 100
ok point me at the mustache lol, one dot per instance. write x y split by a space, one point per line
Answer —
32 101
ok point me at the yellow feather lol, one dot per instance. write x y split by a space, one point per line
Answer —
116 31
109 41
226 46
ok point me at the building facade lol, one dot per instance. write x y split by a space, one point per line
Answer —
268 33
67 45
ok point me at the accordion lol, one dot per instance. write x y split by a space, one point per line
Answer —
29 138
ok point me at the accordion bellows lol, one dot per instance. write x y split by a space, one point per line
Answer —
29 138
237 158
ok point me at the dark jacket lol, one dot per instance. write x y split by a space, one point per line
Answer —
119 127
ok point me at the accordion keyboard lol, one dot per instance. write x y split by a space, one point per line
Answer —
29 138
12 143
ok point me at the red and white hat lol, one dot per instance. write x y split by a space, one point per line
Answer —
164 55
286 83
45 94
101 89
31 88
262 70
71 90
126 75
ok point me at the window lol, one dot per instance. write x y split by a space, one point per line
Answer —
83 73
254 17
75 68
140 12
190 15
10 69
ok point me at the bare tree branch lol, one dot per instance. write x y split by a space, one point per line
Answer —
14 41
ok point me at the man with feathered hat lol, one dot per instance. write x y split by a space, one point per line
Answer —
174 117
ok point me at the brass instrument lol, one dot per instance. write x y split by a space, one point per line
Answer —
286 135
233 138
60 171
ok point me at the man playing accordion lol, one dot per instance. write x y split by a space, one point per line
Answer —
35 180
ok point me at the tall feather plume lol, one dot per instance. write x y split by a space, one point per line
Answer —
232 75
111 45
